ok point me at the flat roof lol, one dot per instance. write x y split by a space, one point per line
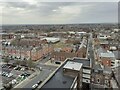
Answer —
85 62
108 54
117 54
59 80
51 39
73 65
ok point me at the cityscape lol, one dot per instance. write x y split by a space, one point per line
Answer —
61 52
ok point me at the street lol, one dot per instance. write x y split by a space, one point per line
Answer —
91 52
40 77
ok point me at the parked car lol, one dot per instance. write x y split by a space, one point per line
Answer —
57 62
15 67
4 74
39 82
10 75
14 82
40 68
4 66
26 74
35 86
11 66
22 69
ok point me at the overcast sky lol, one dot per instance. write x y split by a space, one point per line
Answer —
34 12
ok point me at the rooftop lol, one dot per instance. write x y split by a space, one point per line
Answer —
73 65
107 69
117 54
51 39
108 54
59 80
85 62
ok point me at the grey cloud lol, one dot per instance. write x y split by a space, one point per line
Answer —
92 12
41 8
99 12
24 5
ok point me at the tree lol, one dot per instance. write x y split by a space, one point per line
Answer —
18 62
6 60
23 62
31 64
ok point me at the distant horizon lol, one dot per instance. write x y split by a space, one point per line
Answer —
60 24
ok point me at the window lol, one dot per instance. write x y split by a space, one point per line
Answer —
106 81
98 80
107 62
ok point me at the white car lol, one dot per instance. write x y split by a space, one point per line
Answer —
14 81
35 86
22 69
6 74
15 67
40 68
10 75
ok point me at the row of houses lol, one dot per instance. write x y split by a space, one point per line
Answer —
34 53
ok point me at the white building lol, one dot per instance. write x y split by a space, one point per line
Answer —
51 39
103 36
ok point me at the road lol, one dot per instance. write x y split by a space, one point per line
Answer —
45 59
48 67
91 51
40 77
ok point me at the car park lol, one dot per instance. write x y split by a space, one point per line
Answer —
6 74
14 74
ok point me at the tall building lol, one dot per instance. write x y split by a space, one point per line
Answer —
67 76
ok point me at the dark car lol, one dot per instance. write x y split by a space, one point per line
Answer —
57 62
4 66
39 82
